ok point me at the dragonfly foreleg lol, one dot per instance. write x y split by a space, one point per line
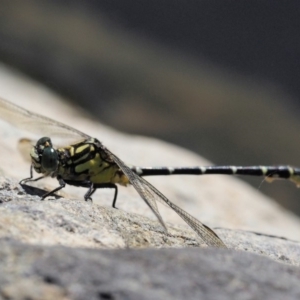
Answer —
23 181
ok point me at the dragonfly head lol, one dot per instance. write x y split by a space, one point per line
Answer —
44 156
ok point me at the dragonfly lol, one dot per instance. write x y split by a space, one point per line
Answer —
88 163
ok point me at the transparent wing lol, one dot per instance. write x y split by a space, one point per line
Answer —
150 195
145 193
36 123
24 147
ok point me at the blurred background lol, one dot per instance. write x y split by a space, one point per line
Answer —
218 77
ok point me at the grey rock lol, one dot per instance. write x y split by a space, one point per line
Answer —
80 224
40 272
50 272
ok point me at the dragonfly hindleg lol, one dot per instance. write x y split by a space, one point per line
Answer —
90 192
103 186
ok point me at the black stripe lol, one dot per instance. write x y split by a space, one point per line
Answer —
271 171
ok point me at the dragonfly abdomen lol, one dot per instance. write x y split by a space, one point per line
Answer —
268 171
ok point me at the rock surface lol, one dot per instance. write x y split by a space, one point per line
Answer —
75 223
37 272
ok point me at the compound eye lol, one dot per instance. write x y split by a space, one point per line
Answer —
49 159
43 143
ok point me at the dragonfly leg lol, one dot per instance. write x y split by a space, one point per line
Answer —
115 197
62 184
29 179
94 187
90 192
23 181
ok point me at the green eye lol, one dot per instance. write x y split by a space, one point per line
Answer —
49 159
43 142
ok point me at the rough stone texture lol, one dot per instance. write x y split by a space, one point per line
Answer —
37 272
76 223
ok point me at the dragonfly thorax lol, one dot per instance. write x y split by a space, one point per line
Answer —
44 157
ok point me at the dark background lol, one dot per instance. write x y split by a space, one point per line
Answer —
218 77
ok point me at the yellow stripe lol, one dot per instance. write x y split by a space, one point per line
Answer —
82 148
